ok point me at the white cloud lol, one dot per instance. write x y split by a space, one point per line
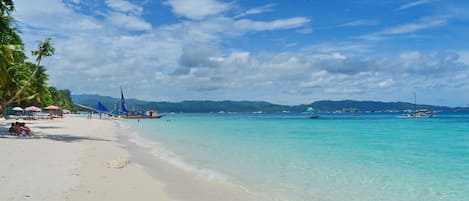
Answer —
385 83
257 10
196 9
421 24
337 55
410 56
328 47
333 74
464 57
126 15
124 6
414 3
128 22
245 24
34 14
306 30
86 24
355 23
424 23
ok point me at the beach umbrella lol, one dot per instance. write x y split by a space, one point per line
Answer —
33 109
52 107
18 109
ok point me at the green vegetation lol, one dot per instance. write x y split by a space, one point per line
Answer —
24 83
62 98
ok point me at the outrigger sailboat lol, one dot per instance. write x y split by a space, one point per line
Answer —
151 114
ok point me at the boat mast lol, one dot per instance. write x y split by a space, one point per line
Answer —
415 101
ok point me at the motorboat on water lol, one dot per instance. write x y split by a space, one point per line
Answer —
419 113
310 111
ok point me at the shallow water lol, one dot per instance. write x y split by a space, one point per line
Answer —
371 157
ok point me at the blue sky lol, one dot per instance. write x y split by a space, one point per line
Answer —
286 52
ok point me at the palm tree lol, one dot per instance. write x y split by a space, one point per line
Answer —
6 6
45 49
39 86
8 36
11 54
18 75
20 81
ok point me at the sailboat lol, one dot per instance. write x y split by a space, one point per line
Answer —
419 113
151 114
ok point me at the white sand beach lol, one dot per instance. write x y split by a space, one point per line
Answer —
71 159
77 159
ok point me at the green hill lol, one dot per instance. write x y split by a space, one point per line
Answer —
196 106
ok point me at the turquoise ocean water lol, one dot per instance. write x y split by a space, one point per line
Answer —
372 157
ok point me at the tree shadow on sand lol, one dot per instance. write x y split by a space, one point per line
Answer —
47 127
66 138
39 135
55 137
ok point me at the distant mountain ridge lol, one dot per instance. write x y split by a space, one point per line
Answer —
196 106
328 105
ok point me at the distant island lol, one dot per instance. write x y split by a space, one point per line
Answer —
197 106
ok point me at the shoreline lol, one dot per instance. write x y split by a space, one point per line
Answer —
79 159
181 184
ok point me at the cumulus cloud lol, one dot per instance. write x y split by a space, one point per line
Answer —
34 15
128 22
188 59
335 74
198 56
126 15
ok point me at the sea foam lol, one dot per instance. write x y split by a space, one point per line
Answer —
139 141
159 151
178 161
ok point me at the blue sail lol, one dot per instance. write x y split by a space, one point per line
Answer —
123 105
100 108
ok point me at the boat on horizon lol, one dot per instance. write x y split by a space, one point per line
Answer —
313 115
419 113
150 114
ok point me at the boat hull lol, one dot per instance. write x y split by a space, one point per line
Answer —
143 117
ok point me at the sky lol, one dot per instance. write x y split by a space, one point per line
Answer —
283 51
